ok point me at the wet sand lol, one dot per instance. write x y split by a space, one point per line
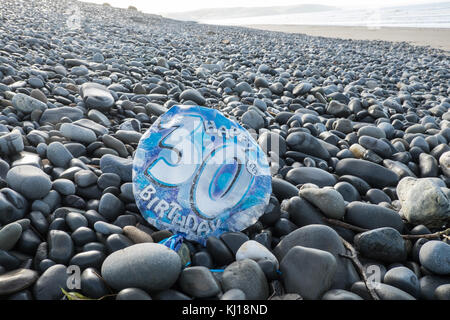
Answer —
434 37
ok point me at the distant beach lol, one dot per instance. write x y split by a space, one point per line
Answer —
435 37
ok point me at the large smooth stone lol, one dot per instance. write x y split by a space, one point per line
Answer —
423 202
306 143
16 280
27 104
142 266
60 246
29 181
96 96
307 271
328 200
58 154
372 216
247 276
77 133
374 174
49 284
323 238
385 244
404 279
316 176
55 115
435 256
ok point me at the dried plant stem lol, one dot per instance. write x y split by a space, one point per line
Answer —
443 233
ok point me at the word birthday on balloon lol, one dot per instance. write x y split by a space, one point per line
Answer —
170 211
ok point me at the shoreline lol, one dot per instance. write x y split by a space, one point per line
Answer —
434 37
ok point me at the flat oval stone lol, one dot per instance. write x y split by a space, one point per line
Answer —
14 281
371 216
306 143
60 246
88 259
77 133
385 244
316 176
374 174
141 266
9 235
404 279
55 115
58 154
29 181
96 96
136 235
83 235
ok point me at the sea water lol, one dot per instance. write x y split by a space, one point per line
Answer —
434 15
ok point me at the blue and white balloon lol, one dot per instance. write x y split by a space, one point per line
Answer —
199 174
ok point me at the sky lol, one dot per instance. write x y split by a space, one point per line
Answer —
160 7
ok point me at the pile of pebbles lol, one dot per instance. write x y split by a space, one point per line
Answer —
355 131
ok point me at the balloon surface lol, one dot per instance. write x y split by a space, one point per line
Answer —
199 174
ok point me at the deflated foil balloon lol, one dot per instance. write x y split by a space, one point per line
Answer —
199 174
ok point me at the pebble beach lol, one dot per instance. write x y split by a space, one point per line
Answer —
356 133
